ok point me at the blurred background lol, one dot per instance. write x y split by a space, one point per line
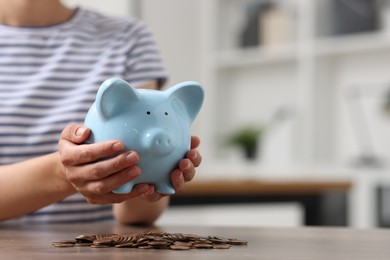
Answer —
295 127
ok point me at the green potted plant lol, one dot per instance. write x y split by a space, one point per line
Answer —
248 139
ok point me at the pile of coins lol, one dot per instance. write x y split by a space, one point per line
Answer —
151 240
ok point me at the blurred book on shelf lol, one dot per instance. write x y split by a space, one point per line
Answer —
250 32
352 16
275 26
268 23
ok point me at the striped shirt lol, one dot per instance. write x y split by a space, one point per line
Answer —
49 77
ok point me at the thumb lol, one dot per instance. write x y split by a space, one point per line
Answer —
75 133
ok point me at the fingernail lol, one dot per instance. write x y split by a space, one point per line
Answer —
132 157
150 192
193 156
142 188
180 178
80 131
117 147
186 165
134 172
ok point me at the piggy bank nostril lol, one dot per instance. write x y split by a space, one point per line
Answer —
166 142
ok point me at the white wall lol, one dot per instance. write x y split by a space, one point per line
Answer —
177 28
177 32
117 7
244 215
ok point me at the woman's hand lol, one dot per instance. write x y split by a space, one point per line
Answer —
95 170
184 173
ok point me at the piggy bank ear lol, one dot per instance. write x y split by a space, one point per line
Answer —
190 95
113 96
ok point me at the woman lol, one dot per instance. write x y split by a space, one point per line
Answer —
52 61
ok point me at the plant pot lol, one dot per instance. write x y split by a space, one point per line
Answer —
250 152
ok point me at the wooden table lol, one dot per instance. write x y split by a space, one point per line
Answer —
34 242
257 187
308 192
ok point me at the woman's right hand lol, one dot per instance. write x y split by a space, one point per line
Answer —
94 170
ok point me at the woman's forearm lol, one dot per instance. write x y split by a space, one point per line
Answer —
140 211
30 185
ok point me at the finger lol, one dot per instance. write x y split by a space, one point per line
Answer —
110 183
195 142
104 168
100 170
177 179
81 154
75 133
195 157
152 195
188 169
110 197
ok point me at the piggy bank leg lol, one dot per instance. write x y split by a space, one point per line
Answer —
165 188
124 189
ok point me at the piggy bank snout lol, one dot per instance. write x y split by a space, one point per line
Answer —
159 142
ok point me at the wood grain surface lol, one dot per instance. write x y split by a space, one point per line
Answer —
34 242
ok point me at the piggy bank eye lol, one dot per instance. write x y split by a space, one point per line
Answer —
166 113
148 112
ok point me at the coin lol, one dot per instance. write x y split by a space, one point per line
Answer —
154 239
128 245
203 246
60 244
82 244
99 246
179 247
85 238
238 242
221 246
103 241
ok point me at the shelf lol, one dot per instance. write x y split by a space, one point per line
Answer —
331 46
352 44
255 56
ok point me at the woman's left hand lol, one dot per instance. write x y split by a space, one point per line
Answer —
184 173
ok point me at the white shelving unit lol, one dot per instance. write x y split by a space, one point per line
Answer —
254 82
310 74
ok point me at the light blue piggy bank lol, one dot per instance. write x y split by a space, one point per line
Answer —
156 124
